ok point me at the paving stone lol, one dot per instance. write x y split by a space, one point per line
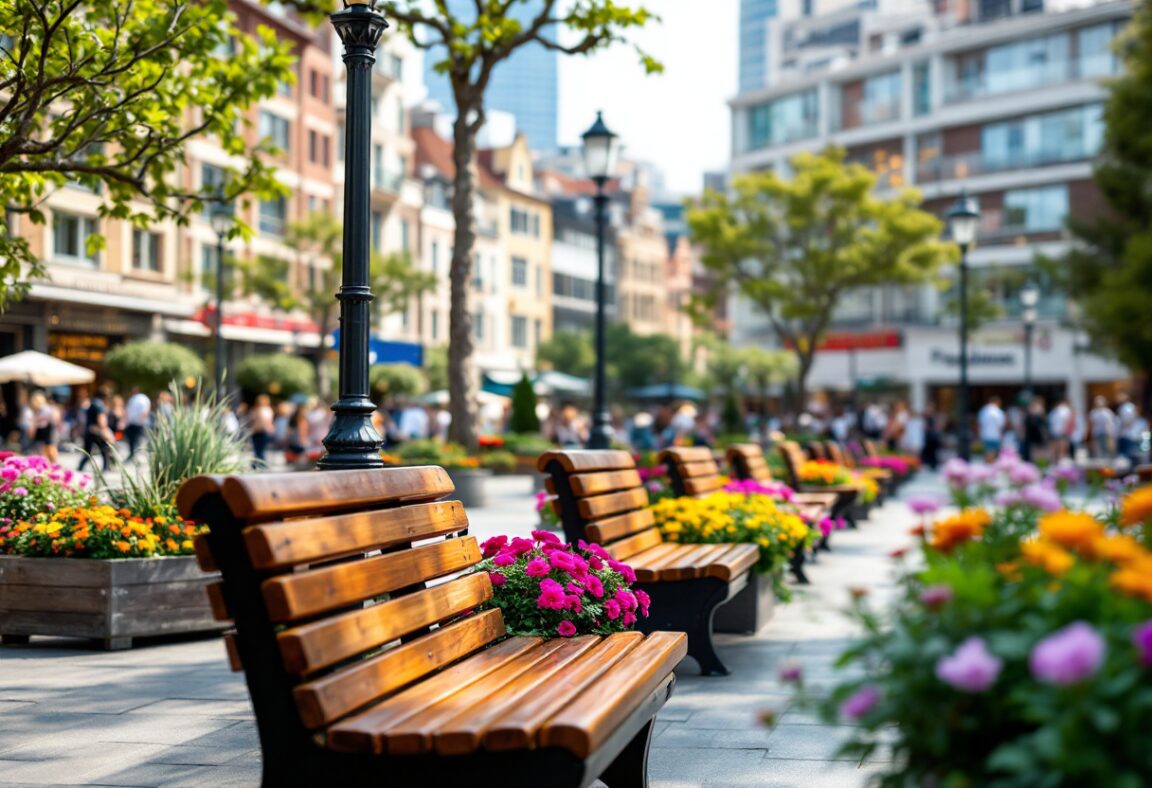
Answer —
223 709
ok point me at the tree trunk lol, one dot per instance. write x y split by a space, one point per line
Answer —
461 372
805 366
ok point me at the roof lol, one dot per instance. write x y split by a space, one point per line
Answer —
555 182
435 151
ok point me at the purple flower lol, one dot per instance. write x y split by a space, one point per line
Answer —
860 702
980 474
1041 497
923 505
1068 656
970 668
791 673
1008 499
956 472
20 491
935 597
1142 637
1065 472
1024 473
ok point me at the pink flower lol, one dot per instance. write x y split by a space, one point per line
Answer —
956 472
1142 638
612 609
595 563
826 526
1023 474
561 560
566 629
644 601
629 619
541 500
493 546
594 586
594 549
572 602
1068 656
626 599
504 559
791 673
546 537
1040 497
923 505
860 702
935 597
623 570
980 474
552 596
520 546
20 491
537 567
497 578
970 668
9 473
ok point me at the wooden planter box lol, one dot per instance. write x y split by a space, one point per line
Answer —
112 601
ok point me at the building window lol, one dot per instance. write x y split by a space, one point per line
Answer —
377 166
786 119
881 102
478 325
1095 55
1036 210
212 181
521 223
405 233
921 89
434 323
535 225
377 231
1066 135
284 88
273 215
70 234
397 66
538 332
146 249
275 129
519 331
318 85
435 254
519 272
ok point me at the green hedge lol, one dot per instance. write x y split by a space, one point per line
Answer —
153 366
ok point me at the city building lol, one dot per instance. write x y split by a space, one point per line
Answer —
575 263
527 84
999 99
754 16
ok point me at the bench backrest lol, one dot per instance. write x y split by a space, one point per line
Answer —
692 471
747 462
817 450
837 455
601 499
327 591
793 457
869 447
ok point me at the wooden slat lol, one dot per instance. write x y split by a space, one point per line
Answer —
826 500
579 460
703 486
692 562
586 723
294 596
646 564
612 503
415 734
358 733
604 481
517 727
233 653
682 454
215 593
262 496
613 528
276 545
194 489
332 697
694 470
634 544
204 557
747 450
317 645
733 562
464 732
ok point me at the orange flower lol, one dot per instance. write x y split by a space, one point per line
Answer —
1075 530
1119 549
1137 506
963 527
1133 582
1054 559
123 546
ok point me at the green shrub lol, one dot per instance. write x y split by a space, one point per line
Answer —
524 418
152 366
278 374
731 418
389 381
527 444
498 461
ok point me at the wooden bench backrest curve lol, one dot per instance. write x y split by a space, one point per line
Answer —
692 471
347 649
747 462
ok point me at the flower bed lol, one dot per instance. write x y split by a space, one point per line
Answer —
31 485
1019 654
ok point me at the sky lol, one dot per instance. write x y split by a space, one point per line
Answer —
678 120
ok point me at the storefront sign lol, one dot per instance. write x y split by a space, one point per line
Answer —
864 340
207 316
78 348
976 358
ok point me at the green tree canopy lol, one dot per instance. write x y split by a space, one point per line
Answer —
390 382
278 374
1109 272
153 366
632 360
101 94
795 247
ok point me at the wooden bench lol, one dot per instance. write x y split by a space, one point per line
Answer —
846 494
600 499
364 658
881 476
747 462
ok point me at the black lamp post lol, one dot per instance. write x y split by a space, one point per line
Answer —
221 221
963 222
1029 298
601 151
352 440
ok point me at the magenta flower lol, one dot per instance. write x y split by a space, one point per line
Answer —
20 491
1142 638
566 629
624 570
1068 656
552 596
493 546
970 668
826 526
519 546
594 586
626 599
644 601
923 505
791 673
546 537
561 560
935 597
497 578
537 567
629 619
594 549
9 473
860 702
504 559
612 609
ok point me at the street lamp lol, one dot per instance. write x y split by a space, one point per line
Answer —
963 222
352 440
220 217
601 151
1029 297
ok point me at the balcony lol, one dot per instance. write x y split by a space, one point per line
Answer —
1003 81
966 165
998 224
386 188
875 112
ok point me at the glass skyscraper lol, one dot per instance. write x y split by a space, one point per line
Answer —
754 16
525 85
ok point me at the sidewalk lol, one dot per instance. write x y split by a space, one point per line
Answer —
171 713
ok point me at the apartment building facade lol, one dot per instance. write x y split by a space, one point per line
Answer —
1002 100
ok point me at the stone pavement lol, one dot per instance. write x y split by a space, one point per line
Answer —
171 713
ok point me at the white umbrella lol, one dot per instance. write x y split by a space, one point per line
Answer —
42 370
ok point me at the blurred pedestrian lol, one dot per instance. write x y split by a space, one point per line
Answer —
137 412
1035 431
98 434
45 426
1102 429
1060 429
261 424
991 422
1129 432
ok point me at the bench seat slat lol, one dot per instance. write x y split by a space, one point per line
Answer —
276 545
642 563
612 528
582 461
358 733
599 506
703 485
586 723
637 543
517 726
604 481
685 454
693 562
294 596
310 647
827 500
733 562
329 698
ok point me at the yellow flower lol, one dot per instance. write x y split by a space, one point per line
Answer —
1075 530
1054 559
1137 506
1135 580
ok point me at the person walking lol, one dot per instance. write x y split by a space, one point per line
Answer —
137 413
991 422
1102 429
1060 429
930 454
98 432
45 426
1129 431
1035 432
262 426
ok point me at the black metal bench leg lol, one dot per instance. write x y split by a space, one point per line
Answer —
630 769
687 606
797 567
